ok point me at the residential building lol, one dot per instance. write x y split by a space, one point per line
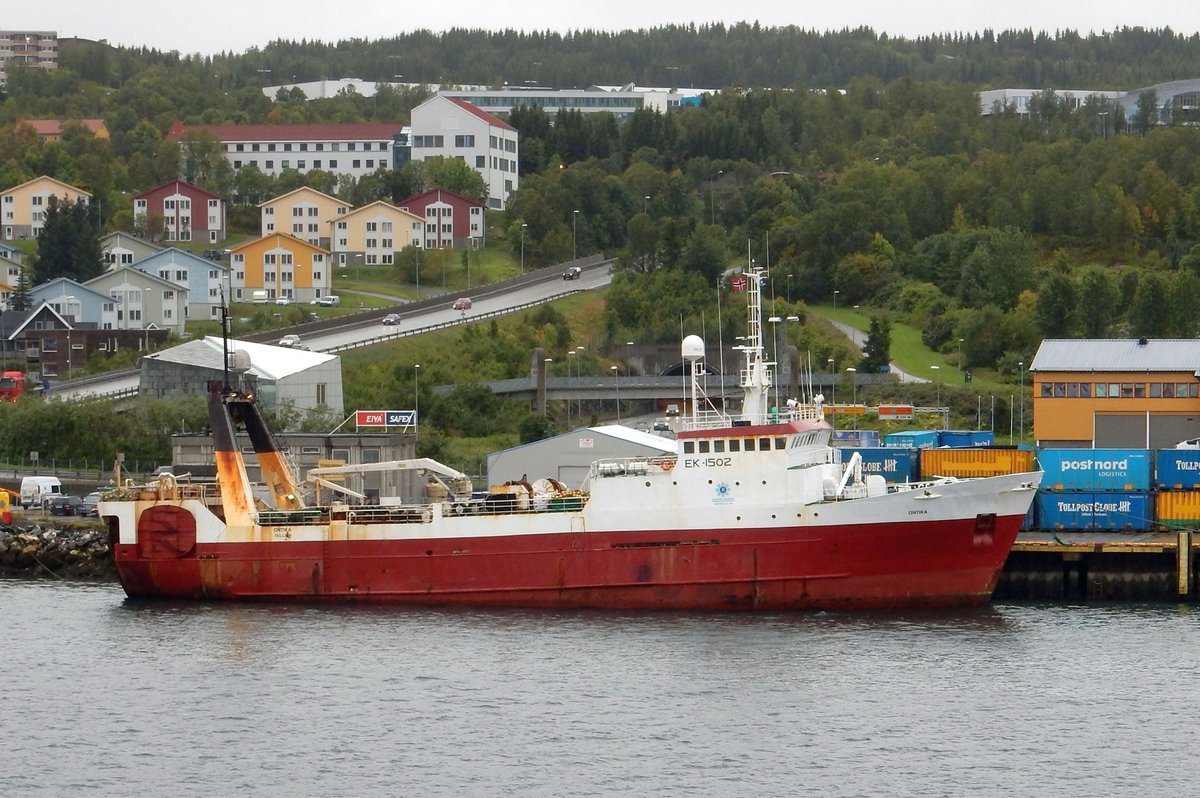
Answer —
125 249
281 265
375 232
23 207
306 380
447 127
48 345
1176 102
10 278
350 150
179 211
141 301
304 213
450 219
620 101
1128 393
27 48
9 251
203 279
52 129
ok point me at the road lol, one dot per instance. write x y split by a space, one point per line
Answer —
424 316
859 339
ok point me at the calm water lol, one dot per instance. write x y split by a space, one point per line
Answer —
100 696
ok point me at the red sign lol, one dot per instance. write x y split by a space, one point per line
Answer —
370 418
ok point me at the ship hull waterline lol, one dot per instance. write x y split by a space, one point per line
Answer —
946 563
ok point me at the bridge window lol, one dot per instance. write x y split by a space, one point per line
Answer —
735 445
689 447
719 446
703 447
749 444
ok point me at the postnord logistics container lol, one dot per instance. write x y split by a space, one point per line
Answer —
912 439
1095 469
1112 512
965 438
893 464
979 462
1177 469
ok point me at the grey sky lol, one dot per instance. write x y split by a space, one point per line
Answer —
219 25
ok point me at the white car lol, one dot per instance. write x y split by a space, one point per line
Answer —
290 341
1190 443
283 300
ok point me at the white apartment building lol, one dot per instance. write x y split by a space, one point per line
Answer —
31 48
451 128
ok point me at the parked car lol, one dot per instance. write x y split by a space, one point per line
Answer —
392 318
330 301
290 341
212 254
91 504
66 505
572 273
462 303
283 300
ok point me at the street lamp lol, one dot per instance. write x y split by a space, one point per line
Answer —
570 360
646 204
523 227
574 248
1021 398
546 377
853 390
416 404
835 296
789 288
712 203
939 387
617 376
579 373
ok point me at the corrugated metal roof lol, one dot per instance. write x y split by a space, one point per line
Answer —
266 361
1149 355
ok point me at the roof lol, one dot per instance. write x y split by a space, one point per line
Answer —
631 435
435 194
1109 355
266 360
304 190
491 119
378 205
53 127
179 186
375 131
41 178
281 239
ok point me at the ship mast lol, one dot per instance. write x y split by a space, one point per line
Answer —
756 377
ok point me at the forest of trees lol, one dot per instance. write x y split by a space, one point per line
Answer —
854 163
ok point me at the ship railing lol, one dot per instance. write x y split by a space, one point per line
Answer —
632 466
714 419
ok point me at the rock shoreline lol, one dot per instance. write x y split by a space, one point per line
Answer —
37 549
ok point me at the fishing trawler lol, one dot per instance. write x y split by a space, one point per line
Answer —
755 511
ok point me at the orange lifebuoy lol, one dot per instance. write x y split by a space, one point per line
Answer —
665 465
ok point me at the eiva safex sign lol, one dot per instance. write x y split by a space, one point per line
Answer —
385 418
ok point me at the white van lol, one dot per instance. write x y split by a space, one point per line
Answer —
330 301
259 297
35 490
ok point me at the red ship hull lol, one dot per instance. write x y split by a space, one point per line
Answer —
915 564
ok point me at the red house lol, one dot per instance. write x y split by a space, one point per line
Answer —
451 220
179 211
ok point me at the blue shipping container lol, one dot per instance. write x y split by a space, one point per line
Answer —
893 464
1095 511
1095 469
1177 469
849 438
916 439
965 438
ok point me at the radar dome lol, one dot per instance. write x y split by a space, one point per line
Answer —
693 347
241 361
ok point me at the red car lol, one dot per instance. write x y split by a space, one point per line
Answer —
462 303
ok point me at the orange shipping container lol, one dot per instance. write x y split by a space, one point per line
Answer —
965 463
1177 508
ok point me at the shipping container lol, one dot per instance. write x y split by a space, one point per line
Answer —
1177 469
965 438
913 439
894 465
1095 469
854 438
981 462
1104 512
1174 509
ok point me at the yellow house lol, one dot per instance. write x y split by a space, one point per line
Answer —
281 268
1116 394
52 129
375 232
23 207
304 213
